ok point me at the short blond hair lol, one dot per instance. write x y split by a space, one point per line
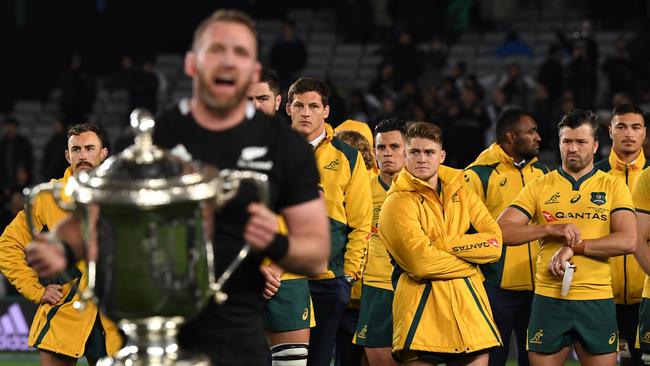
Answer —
423 130
223 15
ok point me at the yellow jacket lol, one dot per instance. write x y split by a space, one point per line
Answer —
379 269
364 130
440 304
58 328
494 177
627 275
346 190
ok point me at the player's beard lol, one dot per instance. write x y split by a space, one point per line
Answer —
579 164
219 105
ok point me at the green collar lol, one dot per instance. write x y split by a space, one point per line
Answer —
575 184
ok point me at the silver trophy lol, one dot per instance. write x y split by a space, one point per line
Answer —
147 217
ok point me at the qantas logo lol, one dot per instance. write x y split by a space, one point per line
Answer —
548 216
486 244
13 330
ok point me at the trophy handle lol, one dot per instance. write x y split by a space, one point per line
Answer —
32 193
232 180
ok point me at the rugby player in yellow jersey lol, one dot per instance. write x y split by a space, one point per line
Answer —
344 181
374 328
583 216
641 197
626 162
437 231
498 174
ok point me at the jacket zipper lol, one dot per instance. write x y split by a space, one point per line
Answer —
625 256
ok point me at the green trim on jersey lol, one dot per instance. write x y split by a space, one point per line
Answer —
484 172
575 184
349 152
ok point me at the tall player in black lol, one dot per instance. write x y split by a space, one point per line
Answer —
219 127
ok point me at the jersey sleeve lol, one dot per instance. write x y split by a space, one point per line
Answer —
483 246
358 211
401 231
641 193
13 242
474 183
526 200
622 199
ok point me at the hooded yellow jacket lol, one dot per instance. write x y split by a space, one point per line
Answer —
440 304
346 190
58 328
627 275
497 181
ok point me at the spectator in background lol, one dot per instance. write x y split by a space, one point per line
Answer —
288 55
384 83
620 70
404 58
16 159
77 91
544 108
512 45
469 117
516 86
434 59
143 91
53 161
495 106
582 79
551 72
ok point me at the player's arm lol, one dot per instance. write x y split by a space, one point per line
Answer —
13 262
401 231
621 240
358 211
485 245
642 233
309 238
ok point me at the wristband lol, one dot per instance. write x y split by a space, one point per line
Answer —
579 248
278 248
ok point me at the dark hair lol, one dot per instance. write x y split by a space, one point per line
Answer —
424 130
224 15
625 108
270 77
391 124
507 120
307 84
578 117
80 128
356 140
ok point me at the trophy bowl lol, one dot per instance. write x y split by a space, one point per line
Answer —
147 218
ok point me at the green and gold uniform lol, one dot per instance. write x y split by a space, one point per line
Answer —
509 282
627 275
374 328
588 203
56 328
438 239
641 197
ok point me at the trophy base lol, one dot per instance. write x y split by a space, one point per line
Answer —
152 342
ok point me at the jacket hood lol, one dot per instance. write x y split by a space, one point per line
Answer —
495 154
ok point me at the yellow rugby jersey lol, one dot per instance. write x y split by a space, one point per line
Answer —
588 203
378 269
627 275
495 178
641 197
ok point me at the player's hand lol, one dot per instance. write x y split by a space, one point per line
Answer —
569 232
261 227
556 264
272 274
52 294
46 255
